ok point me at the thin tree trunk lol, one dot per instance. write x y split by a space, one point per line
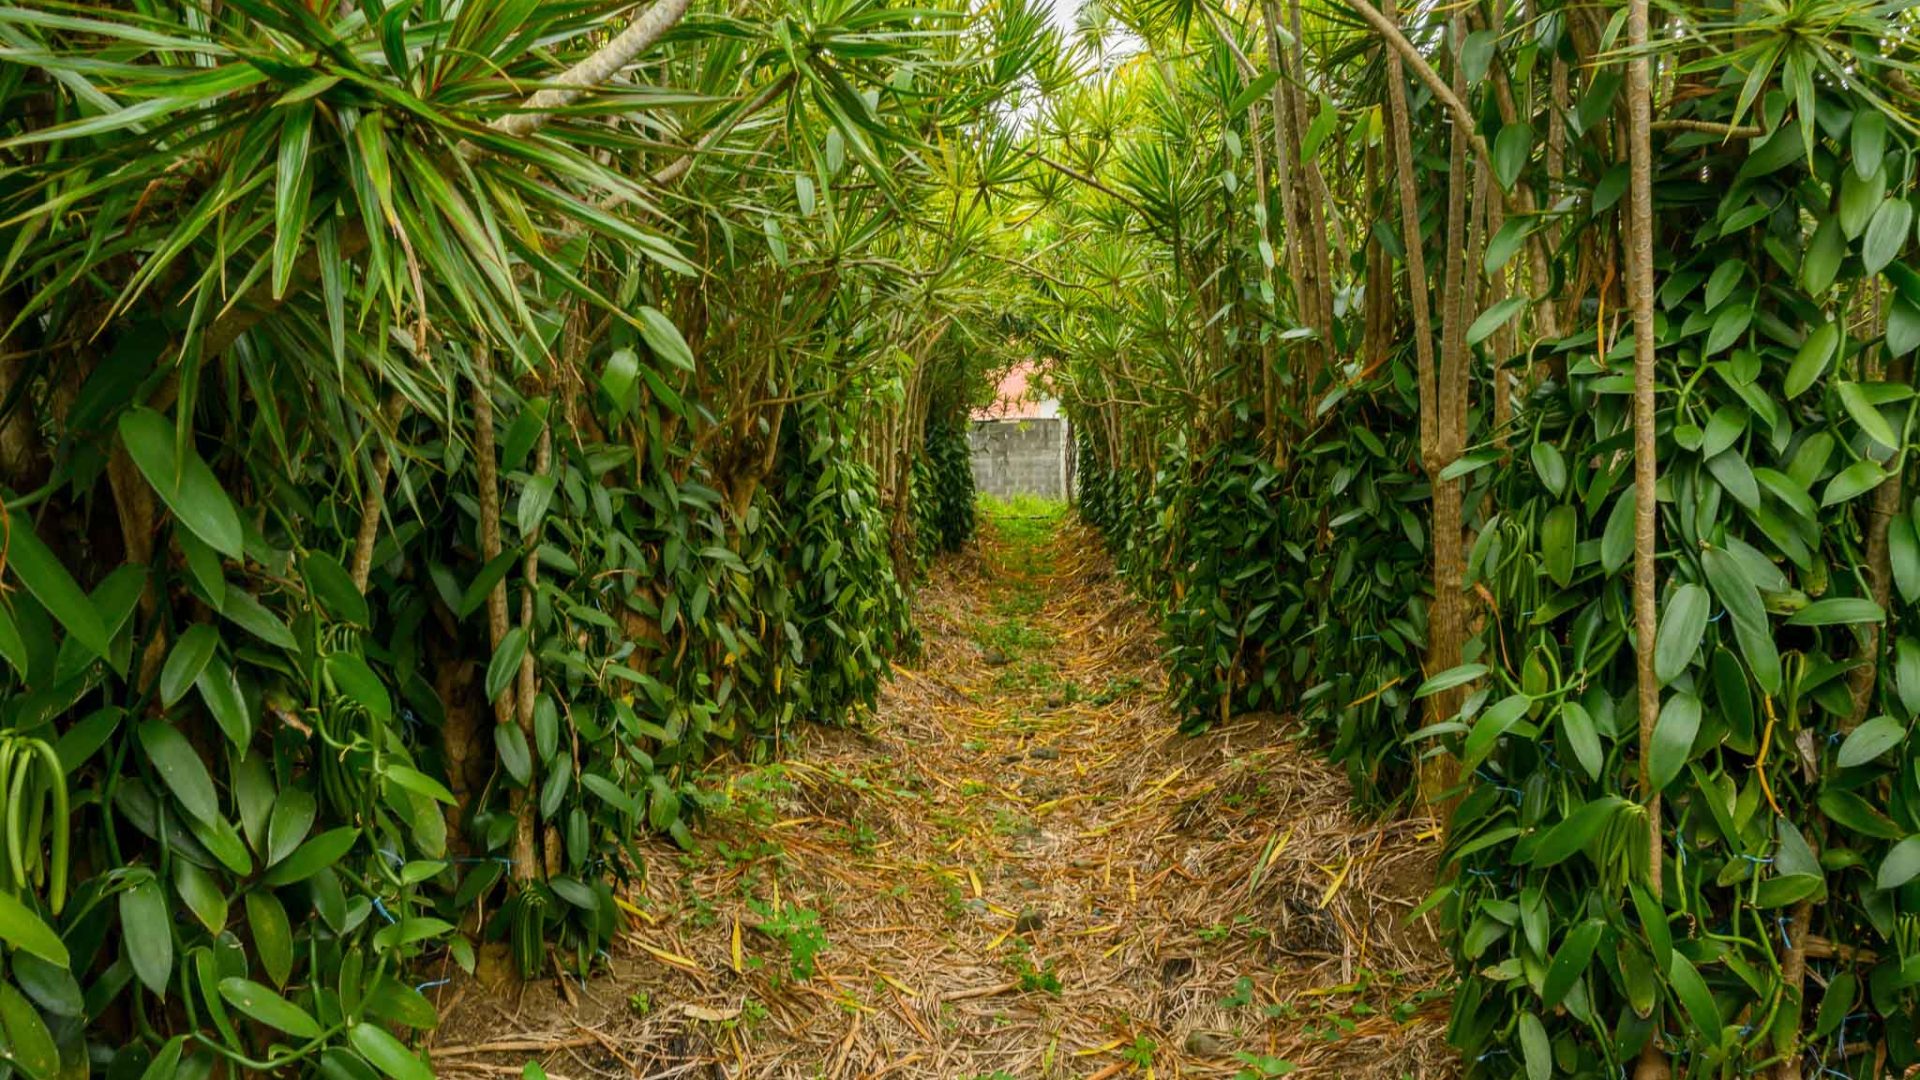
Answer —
521 799
373 502
1653 1063
1447 620
486 470
1434 776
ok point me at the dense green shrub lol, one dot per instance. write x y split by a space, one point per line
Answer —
1791 798
1773 780
410 482
943 488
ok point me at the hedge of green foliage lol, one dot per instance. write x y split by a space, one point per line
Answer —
1296 589
1780 784
1791 786
410 482
943 495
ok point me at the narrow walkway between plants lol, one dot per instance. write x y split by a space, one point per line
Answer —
1016 869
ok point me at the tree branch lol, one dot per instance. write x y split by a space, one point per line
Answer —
639 35
1411 56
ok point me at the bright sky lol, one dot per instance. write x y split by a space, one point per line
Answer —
1062 13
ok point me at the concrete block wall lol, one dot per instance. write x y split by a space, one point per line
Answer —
1020 457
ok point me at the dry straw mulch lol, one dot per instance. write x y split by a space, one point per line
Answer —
1019 870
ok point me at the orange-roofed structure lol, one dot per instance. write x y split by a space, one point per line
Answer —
1017 398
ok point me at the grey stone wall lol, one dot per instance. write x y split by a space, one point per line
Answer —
1020 457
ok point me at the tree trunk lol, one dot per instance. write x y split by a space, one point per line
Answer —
1653 1063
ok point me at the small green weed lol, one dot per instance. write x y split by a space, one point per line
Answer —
1261 1067
798 930
1043 978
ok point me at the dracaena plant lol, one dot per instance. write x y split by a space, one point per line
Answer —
431 432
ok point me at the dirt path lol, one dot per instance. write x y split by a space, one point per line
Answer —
1015 869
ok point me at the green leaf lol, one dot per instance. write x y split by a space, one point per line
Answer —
1837 1002
664 339
352 677
1825 252
506 662
12 646
250 615
146 927
1490 725
188 656
1852 482
1682 625
1673 735
262 1004
1450 678
1252 92
289 822
1836 611
510 743
1695 998
316 854
1578 829
272 935
1866 414
387 1053
490 575
1550 467
1860 198
202 897
1870 740
620 380
48 581
333 587
180 769
1510 150
1506 243
1727 328
1811 361
419 783
1856 814
409 932
534 500
182 480
1886 234
221 691
1570 962
1616 540
29 1045
1558 535
23 930
166 1063
1536 1050
1901 864
1869 141
1583 738
1784 889
1903 326
1907 671
1494 318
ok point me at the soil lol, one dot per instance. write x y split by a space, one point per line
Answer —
1015 867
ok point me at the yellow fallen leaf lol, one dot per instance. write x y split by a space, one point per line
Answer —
711 1016
739 966
1334 885
671 959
